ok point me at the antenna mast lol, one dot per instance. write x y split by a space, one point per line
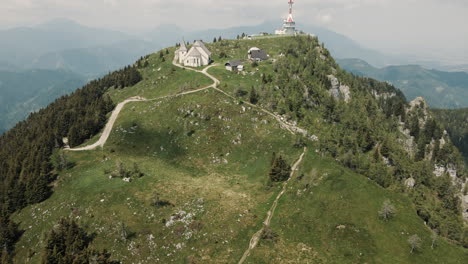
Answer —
291 2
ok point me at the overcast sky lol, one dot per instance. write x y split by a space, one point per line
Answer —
428 28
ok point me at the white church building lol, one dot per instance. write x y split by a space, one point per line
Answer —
197 56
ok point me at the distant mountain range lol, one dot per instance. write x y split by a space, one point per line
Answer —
66 45
77 52
25 92
440 89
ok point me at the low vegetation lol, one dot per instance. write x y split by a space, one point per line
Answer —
68 243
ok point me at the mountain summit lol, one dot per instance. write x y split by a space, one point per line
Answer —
288 159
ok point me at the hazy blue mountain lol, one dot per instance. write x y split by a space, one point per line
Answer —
455 68
24 92
440 89
20 46
92 60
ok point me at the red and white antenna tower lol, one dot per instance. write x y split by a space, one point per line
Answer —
290 17
291 3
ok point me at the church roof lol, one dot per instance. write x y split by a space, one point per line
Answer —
193 52
201 45
182 46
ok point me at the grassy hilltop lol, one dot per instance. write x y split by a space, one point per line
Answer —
199 167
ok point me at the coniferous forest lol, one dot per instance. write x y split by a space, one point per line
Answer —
455 121
26 170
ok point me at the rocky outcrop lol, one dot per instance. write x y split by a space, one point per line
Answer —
407 141
383 95
418 106
417 114
410 183
339 91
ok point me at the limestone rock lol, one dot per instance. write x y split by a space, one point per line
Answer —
410 182
338 90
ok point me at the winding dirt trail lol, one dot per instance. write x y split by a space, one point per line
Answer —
115 114
256 237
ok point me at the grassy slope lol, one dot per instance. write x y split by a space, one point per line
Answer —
180 144
181 169
328 197
160 79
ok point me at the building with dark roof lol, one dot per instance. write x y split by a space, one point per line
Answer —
234 65
258 55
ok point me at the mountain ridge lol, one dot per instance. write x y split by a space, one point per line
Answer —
441 89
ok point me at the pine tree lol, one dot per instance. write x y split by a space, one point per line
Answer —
280 170
253 96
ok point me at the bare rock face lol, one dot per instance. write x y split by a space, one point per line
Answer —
345 92
408 141
383 95
416 107
339 91
420 103
410 183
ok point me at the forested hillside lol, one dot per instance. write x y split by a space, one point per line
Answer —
456 123
25 151
190 177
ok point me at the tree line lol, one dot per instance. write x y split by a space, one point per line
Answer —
26 170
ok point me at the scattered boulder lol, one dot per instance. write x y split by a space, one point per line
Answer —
410 182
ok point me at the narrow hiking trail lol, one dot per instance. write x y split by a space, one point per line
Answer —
115 113
256 237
